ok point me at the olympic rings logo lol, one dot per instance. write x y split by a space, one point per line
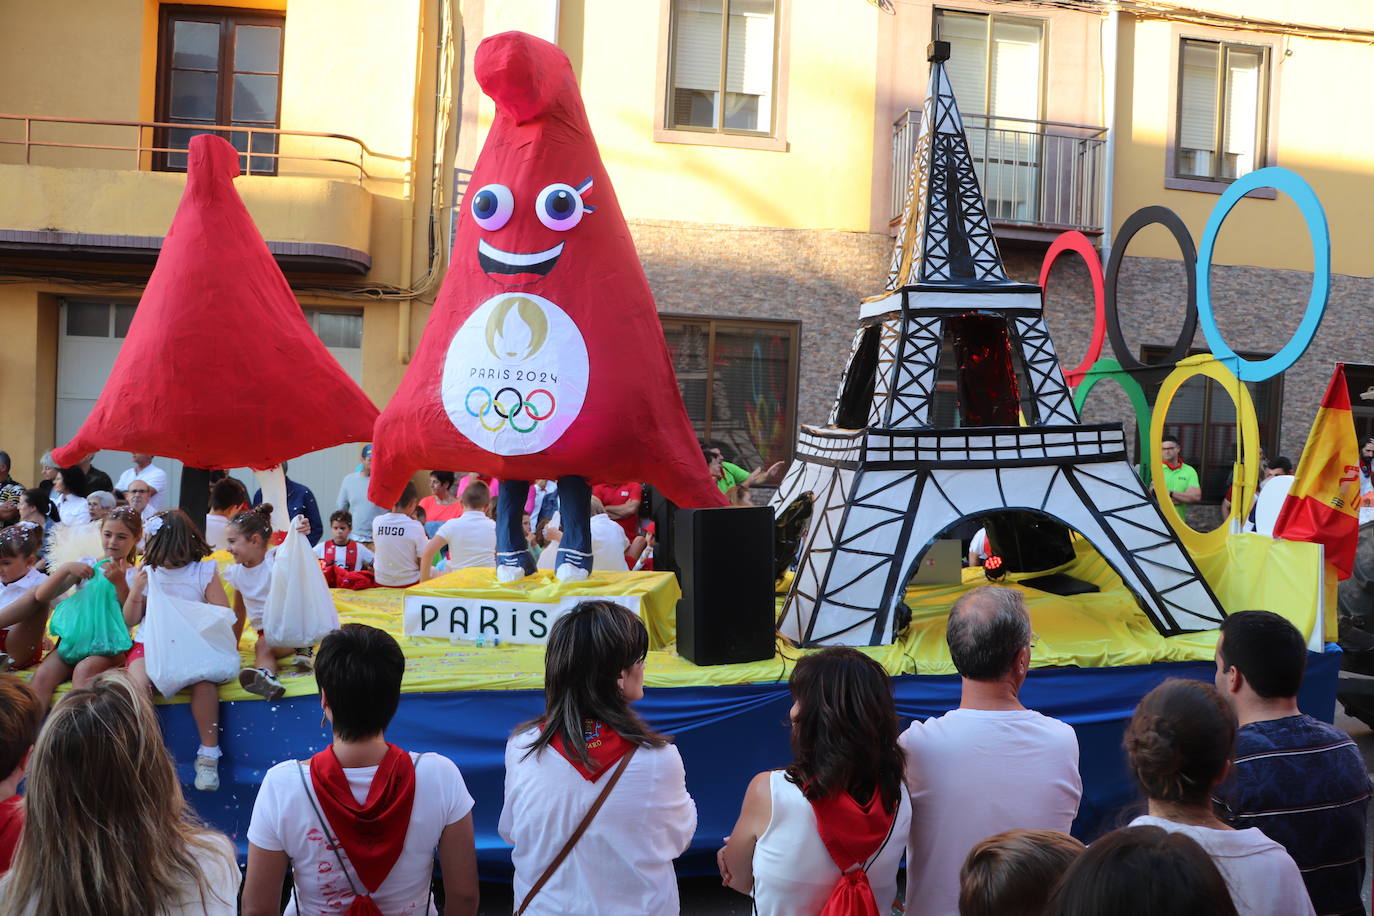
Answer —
1198 266
1223 365
509 409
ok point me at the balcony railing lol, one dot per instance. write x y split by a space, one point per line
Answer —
162 145
1034 174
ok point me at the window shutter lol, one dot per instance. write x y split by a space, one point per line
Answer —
1197 127
750 67
967 68
696 47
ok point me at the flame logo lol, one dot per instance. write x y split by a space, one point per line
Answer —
516 330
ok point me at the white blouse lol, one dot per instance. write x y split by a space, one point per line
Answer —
623 864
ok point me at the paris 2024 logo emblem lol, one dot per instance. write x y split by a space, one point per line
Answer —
515 376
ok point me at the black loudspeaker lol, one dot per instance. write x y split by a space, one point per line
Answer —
725 560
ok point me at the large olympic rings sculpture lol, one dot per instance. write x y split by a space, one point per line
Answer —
509 411
1223 364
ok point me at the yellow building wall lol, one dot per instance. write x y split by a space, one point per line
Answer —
1321 133
822 180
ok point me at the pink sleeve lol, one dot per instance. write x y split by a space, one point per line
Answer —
529 501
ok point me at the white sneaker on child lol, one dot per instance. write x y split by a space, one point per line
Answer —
262 682
304 659
207 773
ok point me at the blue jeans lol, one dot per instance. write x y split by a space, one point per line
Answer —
574 507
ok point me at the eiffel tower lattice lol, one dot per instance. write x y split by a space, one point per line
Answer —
887 481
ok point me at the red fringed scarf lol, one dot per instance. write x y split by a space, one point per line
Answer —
373 833
605 747
852 834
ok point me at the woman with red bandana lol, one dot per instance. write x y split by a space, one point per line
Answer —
827 833
590 747
360 821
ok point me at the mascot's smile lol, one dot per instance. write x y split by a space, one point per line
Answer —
515 269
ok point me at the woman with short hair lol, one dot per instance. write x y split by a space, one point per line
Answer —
106 827
590 746
382 811
835 820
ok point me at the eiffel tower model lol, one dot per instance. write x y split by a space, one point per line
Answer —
886 483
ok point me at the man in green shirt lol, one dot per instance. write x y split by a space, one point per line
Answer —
1180 480
730 475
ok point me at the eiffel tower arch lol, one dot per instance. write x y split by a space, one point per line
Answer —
886 481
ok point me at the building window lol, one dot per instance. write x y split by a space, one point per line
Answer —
337 330
85 318
1223 93
1203 418
220 67
722 74
738 380
995 68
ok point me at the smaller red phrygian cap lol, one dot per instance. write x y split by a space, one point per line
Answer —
543 355
219 368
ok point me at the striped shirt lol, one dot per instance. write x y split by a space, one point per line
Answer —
1304 783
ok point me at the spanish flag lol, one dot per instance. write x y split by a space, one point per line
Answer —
1323 505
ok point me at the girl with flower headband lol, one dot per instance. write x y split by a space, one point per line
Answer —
176 559
120 532
22 617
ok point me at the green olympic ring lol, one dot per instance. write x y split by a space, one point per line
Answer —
1108 368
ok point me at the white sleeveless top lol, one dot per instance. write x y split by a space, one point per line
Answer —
794 875
186 582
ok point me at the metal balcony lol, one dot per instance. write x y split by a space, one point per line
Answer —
1038 177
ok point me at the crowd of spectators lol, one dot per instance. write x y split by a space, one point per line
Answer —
1248 805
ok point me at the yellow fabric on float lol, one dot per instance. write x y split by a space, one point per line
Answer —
1102 629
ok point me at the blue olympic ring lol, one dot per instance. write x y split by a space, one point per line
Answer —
1292 184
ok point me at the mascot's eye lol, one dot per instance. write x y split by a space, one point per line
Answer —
492 206
559 207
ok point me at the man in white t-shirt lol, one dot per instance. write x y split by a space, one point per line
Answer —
313 815
471 537
398 540
990 765
152 475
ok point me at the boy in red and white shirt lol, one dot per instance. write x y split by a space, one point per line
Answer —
341 551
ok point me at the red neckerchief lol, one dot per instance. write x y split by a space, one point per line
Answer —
373 833
1174 467
851 832
604 745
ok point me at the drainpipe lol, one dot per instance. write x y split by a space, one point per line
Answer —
403 306
1110 27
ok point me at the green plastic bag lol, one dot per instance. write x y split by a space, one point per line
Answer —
91 622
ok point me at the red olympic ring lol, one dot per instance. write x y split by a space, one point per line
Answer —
530 401
1078 243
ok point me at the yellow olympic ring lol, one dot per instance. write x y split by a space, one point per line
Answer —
1246 470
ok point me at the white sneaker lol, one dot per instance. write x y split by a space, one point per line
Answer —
262 682
304 659
509 573
569 573
207 773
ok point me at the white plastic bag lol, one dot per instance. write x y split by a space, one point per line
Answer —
299 610
186 641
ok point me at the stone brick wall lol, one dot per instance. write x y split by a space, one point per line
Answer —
815 276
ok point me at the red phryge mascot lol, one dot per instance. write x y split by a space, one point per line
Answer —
544 356
220 368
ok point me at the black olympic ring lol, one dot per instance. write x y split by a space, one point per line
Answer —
1145 216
